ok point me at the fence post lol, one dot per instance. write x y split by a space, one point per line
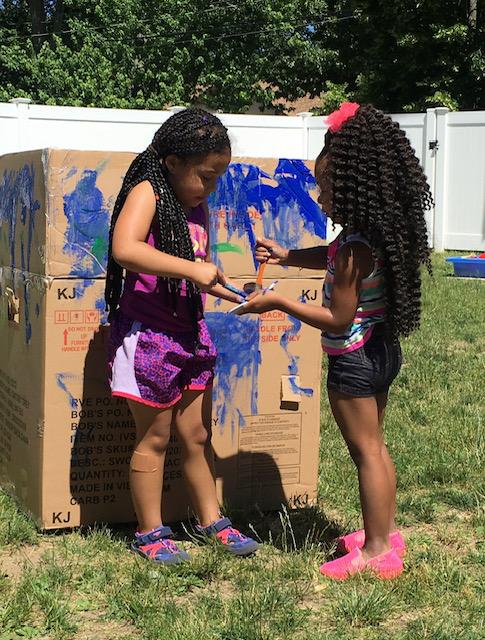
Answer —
304 115
440 200
22 121
429 166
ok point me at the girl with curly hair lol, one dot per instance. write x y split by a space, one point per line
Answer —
372 185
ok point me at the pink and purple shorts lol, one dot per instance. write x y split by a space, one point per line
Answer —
155 367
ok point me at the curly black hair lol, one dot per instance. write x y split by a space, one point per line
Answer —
379 190
189 133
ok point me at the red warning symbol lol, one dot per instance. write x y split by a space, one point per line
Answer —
77 317
61 317
92 316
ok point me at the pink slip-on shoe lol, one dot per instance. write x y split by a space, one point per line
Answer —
386 566
356 540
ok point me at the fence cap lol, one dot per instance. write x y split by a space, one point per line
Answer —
20 101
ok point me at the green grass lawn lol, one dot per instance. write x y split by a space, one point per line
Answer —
86 585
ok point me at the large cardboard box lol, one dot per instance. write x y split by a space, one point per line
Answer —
65 444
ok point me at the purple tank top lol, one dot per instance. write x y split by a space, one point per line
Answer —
145 301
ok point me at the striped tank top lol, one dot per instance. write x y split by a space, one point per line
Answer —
371 308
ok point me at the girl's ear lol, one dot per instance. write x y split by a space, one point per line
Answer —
172 162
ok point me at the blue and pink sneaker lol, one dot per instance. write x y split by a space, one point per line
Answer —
157 546
231 539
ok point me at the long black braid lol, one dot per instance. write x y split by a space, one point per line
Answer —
188 133
380 190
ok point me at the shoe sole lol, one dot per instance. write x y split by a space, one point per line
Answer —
381 575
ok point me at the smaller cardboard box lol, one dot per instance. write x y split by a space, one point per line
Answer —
65 444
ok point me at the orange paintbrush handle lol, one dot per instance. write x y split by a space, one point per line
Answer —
259 277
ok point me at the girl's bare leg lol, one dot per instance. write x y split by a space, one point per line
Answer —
147 462
192 417
358 420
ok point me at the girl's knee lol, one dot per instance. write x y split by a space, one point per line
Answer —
365 451
155 443
196 436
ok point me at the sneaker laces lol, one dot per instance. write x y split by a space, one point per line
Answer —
229 535
153 549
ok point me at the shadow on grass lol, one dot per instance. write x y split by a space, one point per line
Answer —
286 530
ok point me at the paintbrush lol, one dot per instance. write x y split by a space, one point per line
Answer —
235 290
270 287
259 277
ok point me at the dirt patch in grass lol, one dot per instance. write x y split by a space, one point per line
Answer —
12 561
93 626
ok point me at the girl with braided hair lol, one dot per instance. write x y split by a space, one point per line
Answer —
161 355
372 185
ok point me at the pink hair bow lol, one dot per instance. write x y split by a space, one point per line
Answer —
336 119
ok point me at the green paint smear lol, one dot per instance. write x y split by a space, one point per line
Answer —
227 247
99 249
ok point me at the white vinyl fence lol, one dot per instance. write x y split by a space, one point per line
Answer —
450 146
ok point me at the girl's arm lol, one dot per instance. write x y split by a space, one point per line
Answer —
271 252
218 291
132 252
352 263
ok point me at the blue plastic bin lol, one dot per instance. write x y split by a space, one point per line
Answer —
468 267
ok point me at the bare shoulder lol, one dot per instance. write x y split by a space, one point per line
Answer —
355 258
141 195
137 213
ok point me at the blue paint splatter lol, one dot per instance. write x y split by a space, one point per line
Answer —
86 238
61 383
292 331
80 287
100 305
18 209
287 210
237 342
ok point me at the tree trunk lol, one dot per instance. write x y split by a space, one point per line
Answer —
38 20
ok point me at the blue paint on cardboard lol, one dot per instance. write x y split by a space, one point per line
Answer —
17 204
292 331
286 208
237 342
100 305
18 212
61 379
79 288
86 238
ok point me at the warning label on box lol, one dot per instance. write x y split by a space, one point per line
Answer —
270 445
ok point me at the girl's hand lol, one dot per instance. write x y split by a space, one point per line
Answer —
270 251
260 302
206 275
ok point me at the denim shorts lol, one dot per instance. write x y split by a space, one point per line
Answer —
367 371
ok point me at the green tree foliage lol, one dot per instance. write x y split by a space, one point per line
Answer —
123 53
409 55
230 54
